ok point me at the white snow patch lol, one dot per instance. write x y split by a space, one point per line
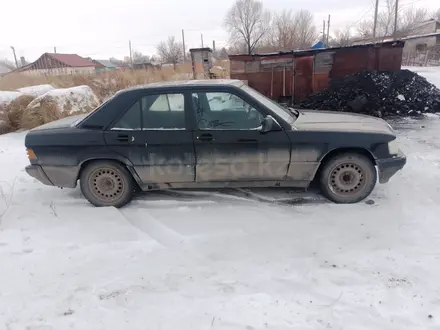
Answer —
7 97
69 100
432 74
216 260
36 90
432 115
401 97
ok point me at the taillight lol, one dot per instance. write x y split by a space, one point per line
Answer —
31 154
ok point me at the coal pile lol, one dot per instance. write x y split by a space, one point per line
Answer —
378 93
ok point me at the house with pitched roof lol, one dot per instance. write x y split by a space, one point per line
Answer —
55 64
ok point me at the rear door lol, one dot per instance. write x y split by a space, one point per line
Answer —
153 135
228 143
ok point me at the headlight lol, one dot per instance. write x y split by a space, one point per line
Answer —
393 147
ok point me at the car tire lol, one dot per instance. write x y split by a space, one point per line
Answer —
107 183
348 178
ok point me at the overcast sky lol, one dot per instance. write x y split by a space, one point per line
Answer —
102 29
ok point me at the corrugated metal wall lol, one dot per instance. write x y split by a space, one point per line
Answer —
272 74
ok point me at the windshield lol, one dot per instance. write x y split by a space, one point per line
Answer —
282 112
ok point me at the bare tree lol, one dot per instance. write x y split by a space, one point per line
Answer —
437 15
237 48
247 22
281 34
410 18
306 30
291 31
170 51
342 38
365 29
407 21
221 54
138 57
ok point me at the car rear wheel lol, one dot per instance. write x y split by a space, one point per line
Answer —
107 183
348 178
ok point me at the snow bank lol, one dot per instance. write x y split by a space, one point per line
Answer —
6 97
59 103
68 100
36 90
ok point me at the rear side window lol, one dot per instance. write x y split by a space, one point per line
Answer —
163 111
152 112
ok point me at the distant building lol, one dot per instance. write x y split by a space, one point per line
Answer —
104 65
425 35
55 64
201 57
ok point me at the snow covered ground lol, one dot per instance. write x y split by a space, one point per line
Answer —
432 74
225 259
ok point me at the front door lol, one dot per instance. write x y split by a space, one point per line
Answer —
229 145
153 135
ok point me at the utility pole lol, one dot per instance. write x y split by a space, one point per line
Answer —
55 50
15 57
201 36
323 32
396 9
131 53
328 30
376 10
213 45
183 43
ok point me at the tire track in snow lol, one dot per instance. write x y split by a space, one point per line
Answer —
142 220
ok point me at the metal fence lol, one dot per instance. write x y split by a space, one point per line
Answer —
427 57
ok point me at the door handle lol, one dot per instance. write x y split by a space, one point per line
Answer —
247 140
205 137
123 138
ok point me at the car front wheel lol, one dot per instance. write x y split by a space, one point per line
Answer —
348 178
107 183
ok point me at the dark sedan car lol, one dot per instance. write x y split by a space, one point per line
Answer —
210 134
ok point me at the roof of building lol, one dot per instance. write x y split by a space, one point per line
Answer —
308 52
72 60
106 63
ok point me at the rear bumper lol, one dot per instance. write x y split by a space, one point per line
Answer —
390 166
59 176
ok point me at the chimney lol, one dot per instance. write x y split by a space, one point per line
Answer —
23 61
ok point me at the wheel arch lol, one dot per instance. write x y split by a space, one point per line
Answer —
338 151
121 160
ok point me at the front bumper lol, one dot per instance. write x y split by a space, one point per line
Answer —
59 176
37 172
389 166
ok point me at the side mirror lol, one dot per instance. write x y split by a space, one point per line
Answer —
269 124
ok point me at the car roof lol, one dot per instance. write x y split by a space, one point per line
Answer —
186 84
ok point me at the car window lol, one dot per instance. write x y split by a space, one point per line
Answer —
221 101
131 120
163 111
225 111
165 102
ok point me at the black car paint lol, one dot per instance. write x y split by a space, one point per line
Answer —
295 154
